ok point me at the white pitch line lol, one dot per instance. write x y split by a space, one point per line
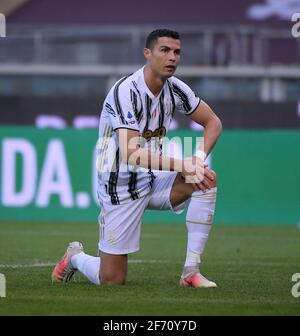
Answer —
38 264
51 264
138 261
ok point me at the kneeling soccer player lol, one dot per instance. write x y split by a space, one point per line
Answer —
135 118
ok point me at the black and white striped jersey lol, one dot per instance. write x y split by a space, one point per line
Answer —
130 104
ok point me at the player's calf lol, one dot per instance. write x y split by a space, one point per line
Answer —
113 269
199 221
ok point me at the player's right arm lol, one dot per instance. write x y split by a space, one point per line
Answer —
131 153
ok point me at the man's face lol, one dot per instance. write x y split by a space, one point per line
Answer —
164 56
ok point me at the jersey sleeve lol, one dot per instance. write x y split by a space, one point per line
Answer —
186 100
119 107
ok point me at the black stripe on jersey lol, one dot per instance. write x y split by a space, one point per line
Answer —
133 98
162 110
126 127
182 95
109 109
152 177
140 113
172 97
148 107
117 102
113 180
132 186
195 108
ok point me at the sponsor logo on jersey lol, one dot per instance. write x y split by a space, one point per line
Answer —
158 133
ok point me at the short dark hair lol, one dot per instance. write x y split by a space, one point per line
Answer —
155 34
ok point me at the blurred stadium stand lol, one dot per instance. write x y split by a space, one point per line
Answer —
243 54
7 7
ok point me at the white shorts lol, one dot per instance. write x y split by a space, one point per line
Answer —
120 225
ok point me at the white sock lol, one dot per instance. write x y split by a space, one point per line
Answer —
88 266
199 219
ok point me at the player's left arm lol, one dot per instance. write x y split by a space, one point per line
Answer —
205 116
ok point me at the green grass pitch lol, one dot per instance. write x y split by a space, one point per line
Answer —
252 265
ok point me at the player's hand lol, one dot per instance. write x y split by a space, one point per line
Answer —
199 174
208 180
193 171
